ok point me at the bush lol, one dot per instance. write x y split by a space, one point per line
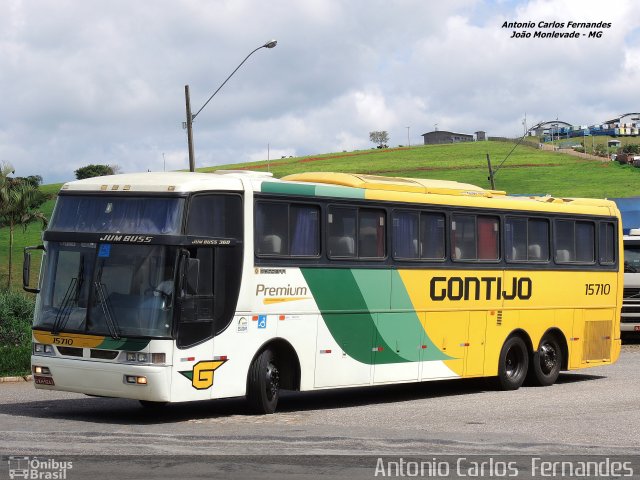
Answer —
15 361
16 315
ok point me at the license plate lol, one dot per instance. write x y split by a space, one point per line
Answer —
43 380
636 328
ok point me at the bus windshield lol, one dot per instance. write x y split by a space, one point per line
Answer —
147 215
108 289
632 258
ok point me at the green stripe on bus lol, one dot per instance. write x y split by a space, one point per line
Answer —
288 188
337 294
312 190
368 337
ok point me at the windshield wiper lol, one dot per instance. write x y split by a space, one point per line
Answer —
66 306
105 303
628 268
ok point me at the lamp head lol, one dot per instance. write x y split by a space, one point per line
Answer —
271 44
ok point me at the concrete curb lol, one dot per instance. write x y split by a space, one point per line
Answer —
25 378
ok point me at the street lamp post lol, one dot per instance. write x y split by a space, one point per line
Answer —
191 117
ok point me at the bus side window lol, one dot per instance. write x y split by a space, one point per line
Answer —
272 230
574 241
371 233
342 232
526 239
405 235
606 243
215 215
432 236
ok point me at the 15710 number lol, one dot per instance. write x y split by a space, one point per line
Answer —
597 289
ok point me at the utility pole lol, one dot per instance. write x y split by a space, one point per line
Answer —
192 160
493 183
408 138
191 117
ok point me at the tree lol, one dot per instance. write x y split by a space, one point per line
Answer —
89 171
17 197
381 138
115 169
601 150
632 148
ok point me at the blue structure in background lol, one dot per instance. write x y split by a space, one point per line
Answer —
630 209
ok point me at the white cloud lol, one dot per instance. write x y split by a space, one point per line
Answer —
95 82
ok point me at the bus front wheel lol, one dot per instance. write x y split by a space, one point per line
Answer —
263 383
545 362
513 364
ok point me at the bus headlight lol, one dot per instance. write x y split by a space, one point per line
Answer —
135 380
138 357
42 349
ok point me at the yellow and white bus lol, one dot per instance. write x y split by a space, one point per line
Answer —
172 287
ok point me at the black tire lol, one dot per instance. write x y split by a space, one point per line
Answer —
151 405
513 364
263 383
546 362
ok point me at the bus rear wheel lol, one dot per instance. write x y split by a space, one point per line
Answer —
263 383
545 362
513 364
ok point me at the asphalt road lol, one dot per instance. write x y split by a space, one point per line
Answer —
594 411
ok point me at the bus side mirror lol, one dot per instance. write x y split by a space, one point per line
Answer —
26 269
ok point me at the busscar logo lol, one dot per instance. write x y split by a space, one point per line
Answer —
38 468
271 271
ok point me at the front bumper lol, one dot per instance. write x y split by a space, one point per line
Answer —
105 379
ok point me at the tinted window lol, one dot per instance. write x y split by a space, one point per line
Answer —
305 230
405 234
526 240
283 229
574 241
356 232
342 232
272 228
418 235
371 233
432 235
215 216
118 215
607 243
475 237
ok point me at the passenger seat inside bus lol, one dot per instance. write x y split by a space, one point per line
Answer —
341 246
535 252
271 244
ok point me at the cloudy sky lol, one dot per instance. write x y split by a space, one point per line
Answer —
88 81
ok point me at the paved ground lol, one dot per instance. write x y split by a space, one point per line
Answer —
593 411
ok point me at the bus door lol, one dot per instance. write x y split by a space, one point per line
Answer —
193 360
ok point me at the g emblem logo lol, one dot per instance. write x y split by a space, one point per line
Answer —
203 373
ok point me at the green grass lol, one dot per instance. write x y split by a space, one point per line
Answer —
527 170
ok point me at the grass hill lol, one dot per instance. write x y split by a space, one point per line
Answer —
527 170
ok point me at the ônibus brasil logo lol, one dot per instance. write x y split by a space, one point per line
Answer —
38 468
